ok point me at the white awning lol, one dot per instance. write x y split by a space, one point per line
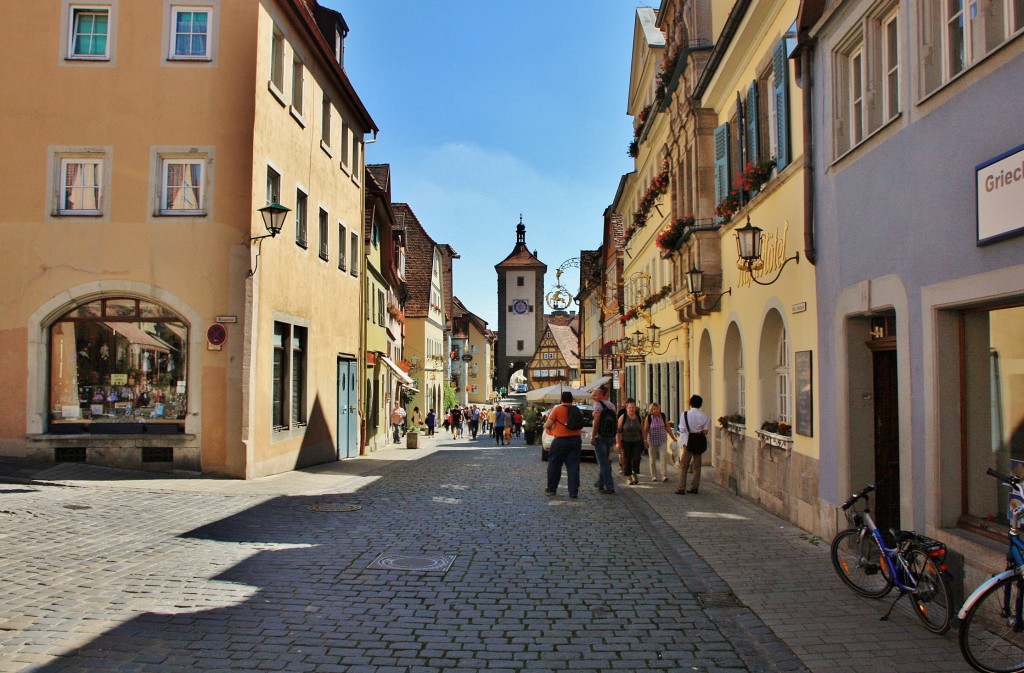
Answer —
402 376
593 385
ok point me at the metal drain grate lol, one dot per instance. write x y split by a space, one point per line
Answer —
430 563
719 600
333 507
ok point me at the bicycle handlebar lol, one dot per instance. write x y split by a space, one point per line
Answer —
857 496
1005 478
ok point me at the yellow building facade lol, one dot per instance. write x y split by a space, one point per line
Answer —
147 329
718 111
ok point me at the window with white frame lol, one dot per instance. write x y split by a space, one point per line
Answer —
346 146
956 34
783 394
353 251
288 384
182 188
301 215
324 235
866 72
298 84
342 243
81 186
741 387
190 33
273 186
325 123
277 60
89 32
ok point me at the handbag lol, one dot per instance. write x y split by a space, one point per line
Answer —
696 443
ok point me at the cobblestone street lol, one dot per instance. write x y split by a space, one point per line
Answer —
454 561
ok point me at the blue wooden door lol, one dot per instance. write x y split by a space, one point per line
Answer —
348 419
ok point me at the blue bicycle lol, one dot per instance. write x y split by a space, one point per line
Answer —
915 565
992 619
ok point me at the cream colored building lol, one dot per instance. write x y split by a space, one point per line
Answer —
143 328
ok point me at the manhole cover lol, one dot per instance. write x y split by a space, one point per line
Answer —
432 563
332 507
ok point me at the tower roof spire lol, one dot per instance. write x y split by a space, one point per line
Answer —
521 231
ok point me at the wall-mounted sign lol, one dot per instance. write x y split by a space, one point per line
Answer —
800 308
1000 195
216 335
588 365
466 357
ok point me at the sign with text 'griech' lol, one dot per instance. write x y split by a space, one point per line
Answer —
1000 196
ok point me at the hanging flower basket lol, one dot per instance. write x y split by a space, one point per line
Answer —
671 236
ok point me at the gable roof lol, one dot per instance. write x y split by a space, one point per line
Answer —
419 260
567 341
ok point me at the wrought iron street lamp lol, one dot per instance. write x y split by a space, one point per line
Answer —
749 240
273 219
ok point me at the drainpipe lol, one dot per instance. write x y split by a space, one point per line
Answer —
810 253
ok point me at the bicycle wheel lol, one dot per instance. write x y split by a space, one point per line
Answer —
858 562
932 597
991 634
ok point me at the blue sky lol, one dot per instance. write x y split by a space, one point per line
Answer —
492 108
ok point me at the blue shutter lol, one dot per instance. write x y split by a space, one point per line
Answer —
721 162
752 108
780 81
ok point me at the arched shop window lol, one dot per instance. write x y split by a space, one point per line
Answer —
117 361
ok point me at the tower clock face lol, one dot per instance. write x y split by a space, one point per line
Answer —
520 306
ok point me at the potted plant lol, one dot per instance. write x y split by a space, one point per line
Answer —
412 437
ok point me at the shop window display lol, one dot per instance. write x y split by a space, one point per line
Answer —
118 361
993 435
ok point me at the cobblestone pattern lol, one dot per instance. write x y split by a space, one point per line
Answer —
155 581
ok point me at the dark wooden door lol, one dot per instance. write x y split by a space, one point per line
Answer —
887 439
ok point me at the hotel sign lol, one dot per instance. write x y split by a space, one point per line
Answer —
1000 185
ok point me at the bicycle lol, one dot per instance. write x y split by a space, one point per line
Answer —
992 618
915 565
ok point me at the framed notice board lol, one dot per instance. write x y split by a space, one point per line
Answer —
804 394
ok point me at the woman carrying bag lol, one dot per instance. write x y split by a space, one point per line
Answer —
630 442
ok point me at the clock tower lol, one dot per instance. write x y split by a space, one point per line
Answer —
520 308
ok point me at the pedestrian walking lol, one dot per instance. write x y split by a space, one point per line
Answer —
603 438
397 419
693 431
517 422
431 422
658 432
456 422
499 424
474 421
415 418
630 441
566 447
492 414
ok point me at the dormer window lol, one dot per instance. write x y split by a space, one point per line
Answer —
339 47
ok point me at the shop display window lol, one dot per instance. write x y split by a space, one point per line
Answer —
993 435
118 360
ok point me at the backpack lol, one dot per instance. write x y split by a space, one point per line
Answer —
576 421
607 424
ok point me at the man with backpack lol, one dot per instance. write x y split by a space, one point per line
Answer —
603 437
565 423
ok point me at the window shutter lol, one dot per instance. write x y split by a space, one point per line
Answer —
721 162
753 131
780 80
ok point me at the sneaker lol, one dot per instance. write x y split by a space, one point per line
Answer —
608 491
681 491
547 492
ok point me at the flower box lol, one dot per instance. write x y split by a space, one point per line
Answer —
772 439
